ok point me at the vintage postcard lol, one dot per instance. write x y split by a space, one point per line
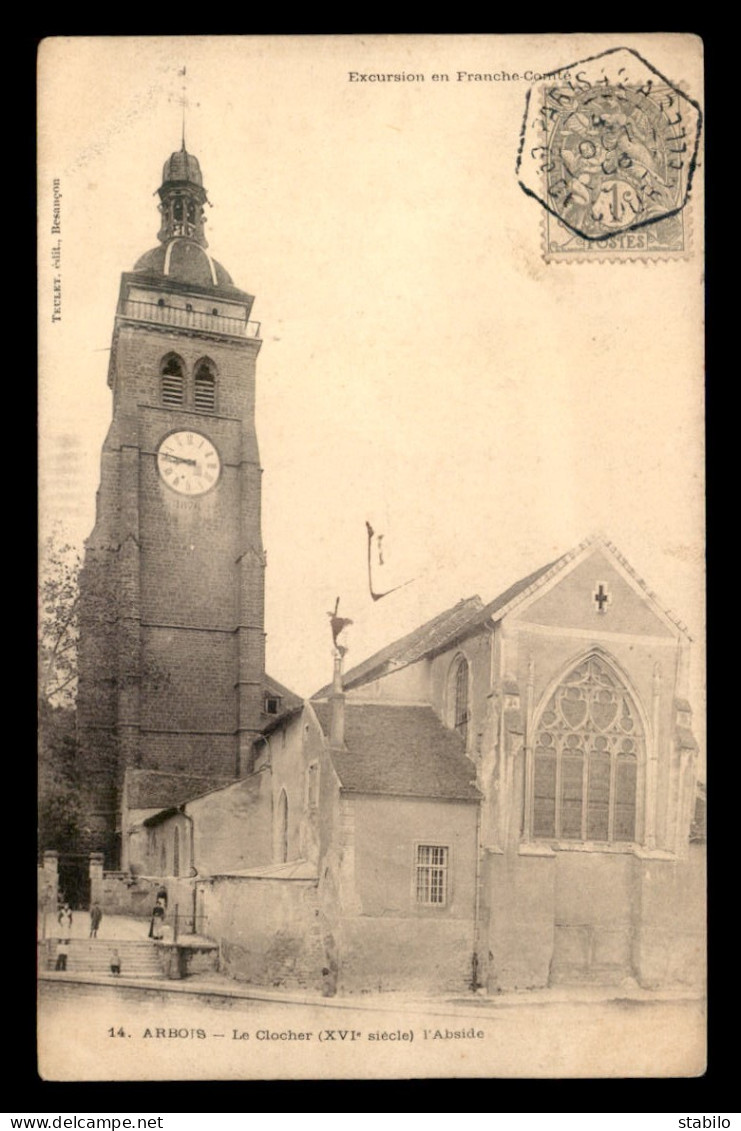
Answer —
371 659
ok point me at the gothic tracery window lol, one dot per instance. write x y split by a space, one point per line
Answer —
586 751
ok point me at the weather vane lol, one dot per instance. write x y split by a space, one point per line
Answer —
338 624
183 100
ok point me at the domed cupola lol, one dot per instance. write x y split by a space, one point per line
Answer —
181 254
182 197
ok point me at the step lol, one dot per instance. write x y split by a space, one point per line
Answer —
139 958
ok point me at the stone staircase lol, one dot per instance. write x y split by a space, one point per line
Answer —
139 957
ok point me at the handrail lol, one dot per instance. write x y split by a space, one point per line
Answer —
189 319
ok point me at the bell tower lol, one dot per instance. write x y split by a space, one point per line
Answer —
172 648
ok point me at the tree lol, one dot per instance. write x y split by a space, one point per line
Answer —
60 813
59 607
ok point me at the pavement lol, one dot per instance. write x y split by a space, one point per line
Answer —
111 927
220 986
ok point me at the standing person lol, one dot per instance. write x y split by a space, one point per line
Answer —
158 918
62 952
96 915
64 917
115 963
162 896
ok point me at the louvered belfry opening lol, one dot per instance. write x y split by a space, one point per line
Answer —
205 388
172 381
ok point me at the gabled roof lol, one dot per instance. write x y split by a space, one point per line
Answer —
469 615
427 638
289 700
158 789
521 590
499 603
400 751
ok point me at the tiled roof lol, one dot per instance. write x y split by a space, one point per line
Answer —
400 751
515 590
157 789
427 638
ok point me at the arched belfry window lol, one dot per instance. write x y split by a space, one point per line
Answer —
205 387
587 748
172 383
458 697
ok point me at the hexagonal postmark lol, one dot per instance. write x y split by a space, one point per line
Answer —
610 153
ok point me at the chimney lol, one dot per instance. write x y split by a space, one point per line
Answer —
337 708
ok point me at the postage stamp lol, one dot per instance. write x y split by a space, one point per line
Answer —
609 148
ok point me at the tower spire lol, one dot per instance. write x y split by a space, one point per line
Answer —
183 103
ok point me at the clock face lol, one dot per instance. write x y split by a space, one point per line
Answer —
188 463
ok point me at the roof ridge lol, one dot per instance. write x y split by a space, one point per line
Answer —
394 651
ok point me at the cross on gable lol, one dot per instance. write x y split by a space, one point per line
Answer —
601 597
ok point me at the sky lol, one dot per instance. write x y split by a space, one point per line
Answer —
422 367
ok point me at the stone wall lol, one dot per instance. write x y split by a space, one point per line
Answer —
573 917
400 954
124 894
670 943
387 938
270 930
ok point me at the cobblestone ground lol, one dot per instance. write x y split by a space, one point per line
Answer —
121 1033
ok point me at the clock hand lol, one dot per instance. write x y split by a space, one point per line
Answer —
177 459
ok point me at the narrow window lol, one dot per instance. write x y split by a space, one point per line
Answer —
432 874
171 382
459 697
176 853
281 831
205 388
312 785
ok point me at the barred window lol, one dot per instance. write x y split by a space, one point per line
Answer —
432 874
587 749
205 388
172 384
